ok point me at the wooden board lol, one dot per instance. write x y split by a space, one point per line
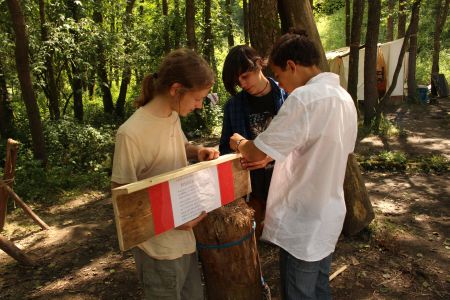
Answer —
132 209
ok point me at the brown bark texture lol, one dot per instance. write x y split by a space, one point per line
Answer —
397 67
177 25
299 14
166 36
412 58
357 17
208 44
190 25
51 89
229 13
77 74
246 22
370 61
6 112
102 73
359 208
401 19
229 255
440 17
26 85
390 21
126 73
264 27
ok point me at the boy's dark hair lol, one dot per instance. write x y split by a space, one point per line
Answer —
182 66
239 60
295 46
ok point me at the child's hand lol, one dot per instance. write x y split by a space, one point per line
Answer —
191 224
207 153
255 164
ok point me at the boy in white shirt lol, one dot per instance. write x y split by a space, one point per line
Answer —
310 139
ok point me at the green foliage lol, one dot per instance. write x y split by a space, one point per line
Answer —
83 147
324 7
332 36
385 160
399 161
387 128
79 157
435 163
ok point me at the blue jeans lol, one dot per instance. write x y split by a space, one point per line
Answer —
303 279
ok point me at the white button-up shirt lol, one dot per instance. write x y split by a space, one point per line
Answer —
310 139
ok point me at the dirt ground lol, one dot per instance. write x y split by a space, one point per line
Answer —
404 255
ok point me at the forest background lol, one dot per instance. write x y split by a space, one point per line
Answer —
85 61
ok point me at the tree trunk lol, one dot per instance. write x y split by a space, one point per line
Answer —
177 25
359 208
353 63
77 87
246 22
401 19
77 82
23 70
208 45
166 29
397 68
126 73
347 23
51 87
263 25
102 73
229 12
390 21
9 171
6 112
299 14
229 255
440 17
412 58
190 25
11 249
370 61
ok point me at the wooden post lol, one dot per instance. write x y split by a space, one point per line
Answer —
229 255
359 208
11 249
12 147
25 207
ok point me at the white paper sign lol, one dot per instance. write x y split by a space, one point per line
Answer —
189 197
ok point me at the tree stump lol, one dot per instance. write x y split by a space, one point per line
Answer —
229 255
359 208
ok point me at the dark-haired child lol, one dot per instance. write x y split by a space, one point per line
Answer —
249 112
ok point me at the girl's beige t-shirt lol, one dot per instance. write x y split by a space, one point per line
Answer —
147 146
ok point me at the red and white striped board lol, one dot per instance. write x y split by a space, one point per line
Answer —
157 204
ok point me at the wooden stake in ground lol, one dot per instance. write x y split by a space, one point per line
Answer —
25 207
12 147
228 252
11 249
359 209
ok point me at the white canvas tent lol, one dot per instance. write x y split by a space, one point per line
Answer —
338 61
